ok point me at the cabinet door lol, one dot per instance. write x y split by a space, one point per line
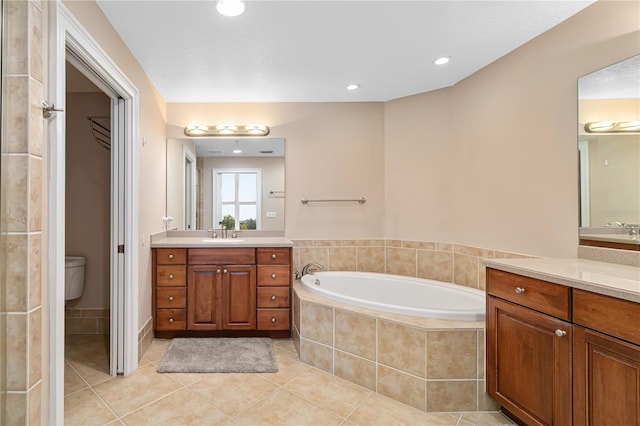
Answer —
606 377
204 292
529 363
239 298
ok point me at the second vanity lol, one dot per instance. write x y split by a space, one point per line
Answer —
204 287
563 341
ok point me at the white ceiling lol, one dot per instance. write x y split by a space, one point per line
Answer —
620 80
310 50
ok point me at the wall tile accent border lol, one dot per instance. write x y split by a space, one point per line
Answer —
86 321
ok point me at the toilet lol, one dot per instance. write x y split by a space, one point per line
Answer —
73 276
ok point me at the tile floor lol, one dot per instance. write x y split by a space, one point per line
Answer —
296 395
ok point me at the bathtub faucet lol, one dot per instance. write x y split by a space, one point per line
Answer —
310 268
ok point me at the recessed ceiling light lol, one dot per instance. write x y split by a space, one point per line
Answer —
230 7
237 151
353 86
442 61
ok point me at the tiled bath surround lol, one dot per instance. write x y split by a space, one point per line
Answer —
432 365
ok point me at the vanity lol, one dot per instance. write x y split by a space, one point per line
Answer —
203 287
563 341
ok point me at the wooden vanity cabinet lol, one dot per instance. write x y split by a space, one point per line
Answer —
170 289
274 292
529 348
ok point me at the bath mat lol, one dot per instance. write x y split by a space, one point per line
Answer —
219 355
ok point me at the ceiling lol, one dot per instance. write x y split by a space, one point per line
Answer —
620 80
309 51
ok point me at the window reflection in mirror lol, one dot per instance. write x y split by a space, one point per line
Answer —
609 162
236 182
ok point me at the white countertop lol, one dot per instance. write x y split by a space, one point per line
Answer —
205 242
609 279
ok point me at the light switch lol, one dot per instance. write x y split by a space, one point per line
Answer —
271 214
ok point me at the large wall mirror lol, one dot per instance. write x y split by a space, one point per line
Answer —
609 146
235 182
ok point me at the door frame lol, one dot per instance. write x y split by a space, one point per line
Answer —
65 32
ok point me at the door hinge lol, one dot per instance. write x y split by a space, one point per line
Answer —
49 109
121 248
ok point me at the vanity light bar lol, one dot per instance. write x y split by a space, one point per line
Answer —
227 130
612 126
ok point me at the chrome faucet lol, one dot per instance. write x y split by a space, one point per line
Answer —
310 268
616 224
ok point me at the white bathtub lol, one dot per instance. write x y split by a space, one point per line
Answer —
399 294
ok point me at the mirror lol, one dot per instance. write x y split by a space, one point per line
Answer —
610 156
238 182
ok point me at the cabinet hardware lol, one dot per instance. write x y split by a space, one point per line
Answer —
170 256
520 290
170 298
273 320
561 333
273 276
170 320
218 271
170 276
225 271
273 256
273 297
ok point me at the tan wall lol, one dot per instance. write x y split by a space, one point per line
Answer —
152 173
333 150
88 197
510 162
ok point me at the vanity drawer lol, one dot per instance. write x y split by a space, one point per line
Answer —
273 297
543 296
609 315
273 319
274 256
171 276
171 319
171 297
222 256
171 256
274 275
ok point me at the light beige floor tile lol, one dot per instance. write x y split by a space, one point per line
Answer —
289 367
328 392
72 380
186 379
485 419
156 350
81 346
380 410
286 344
233 393
115 423
94 369
84 408
285 408
126 394
183 407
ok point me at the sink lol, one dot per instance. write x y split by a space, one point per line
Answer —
222 240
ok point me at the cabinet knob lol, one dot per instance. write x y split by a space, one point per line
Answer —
170 320
218 271
520 290
170 276
273 319
273 256
170 298
273 276
225 271
273 297
170 256
561 333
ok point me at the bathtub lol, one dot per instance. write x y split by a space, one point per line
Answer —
399 294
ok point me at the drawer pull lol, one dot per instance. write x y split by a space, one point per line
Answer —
225 271
170 320
273 276
561 333
218 271
170 276
170 298
273 256
273 297
170 256
273 320
520 290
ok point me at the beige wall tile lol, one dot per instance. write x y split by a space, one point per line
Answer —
17 352
17 192
296 259
16 136
393 243
401 261
451 395
452 354
36 122
81 325
485 402
35 405
296 341
35 346
482 275
35 194
355 369
16 273
327 243
356 334
296 310
302 243
35 43
402 387
35 270
401 347
342 259
378 243
508 255
435 265
95 313
419 245
316 254
356 243
316 322
465 270
473 251
16 33
16 409
319 356
72 313
481 347
371 259
444 247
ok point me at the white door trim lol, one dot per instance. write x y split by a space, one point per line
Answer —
67 33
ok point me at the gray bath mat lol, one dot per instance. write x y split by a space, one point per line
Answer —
219 355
